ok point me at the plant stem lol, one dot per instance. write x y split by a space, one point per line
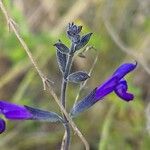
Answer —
64 80
66 139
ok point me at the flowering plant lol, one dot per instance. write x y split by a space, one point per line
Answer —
115 83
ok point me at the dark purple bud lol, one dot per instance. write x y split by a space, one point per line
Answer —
73 32
124 69
121 91
2 125
78 77
84 104
84 40
62 47
73 29
62 60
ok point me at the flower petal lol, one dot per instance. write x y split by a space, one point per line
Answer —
121 91
13 111
2 125
106 88
124 69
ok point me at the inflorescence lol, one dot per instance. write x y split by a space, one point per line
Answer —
115 83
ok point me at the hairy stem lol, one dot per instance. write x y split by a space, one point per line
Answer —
66 139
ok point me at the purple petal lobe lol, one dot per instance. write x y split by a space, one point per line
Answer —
124 69
13 111
2 125
121 91
106 88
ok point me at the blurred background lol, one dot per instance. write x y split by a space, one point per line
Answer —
121 33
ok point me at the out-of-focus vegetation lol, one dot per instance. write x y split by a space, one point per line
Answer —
121 28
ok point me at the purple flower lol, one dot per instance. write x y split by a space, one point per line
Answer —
116 83
17 112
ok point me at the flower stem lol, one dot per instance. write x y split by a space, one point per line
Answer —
64 80
66 139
